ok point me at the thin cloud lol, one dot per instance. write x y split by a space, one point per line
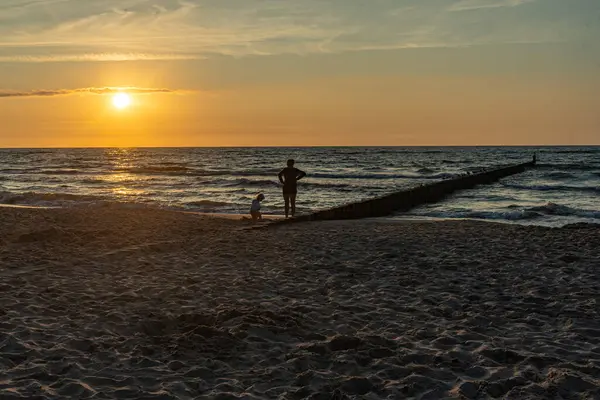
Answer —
119 30
98 57
90 90
469 5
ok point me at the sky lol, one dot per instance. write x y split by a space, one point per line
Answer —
299 72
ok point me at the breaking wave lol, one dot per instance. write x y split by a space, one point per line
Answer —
553 188
517 214
562 210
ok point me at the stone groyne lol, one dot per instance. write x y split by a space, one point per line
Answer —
407 199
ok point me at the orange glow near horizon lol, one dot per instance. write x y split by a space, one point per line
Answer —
355 111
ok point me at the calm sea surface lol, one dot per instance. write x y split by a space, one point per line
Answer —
563 189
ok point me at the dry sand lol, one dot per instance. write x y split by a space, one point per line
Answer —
144 304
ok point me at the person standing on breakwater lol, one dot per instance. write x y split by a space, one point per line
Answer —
289 176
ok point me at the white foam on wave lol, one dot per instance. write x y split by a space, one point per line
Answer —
547 214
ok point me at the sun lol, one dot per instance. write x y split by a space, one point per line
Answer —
121 100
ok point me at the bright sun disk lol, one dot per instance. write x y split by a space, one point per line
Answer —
121 100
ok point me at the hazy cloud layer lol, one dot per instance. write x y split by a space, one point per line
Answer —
90 90
466 5
83 30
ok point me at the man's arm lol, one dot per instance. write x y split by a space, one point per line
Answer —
281 177
301 174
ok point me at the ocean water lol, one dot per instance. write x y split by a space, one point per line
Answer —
564 188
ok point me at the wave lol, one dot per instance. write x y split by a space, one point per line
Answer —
75 164
582 151
568 167
85 166
58 172
167 169
302 185
553 188
512 214
561 210
373 168
48 170
560 175
251 182
441 175
17 171
207 204
174 169
423 173
27 152
93 181
36 198
173 163
61 200
273 183
250 172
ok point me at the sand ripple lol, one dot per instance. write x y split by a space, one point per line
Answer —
143 304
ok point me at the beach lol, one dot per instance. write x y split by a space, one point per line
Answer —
113 302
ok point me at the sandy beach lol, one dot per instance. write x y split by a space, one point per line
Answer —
109 303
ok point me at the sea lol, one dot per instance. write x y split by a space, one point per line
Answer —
563 189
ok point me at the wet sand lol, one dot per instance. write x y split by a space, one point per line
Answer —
144 304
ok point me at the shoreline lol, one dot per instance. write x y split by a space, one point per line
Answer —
28 207
278 217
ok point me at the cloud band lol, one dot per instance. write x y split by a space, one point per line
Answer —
89 90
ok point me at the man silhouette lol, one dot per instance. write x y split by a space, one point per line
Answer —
289 176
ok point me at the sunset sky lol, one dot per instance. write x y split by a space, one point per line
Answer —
299 72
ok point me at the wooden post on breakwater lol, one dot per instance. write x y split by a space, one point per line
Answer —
407 199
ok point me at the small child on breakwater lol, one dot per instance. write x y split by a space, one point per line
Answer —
255 207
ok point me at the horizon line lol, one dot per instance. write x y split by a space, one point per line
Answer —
297 147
